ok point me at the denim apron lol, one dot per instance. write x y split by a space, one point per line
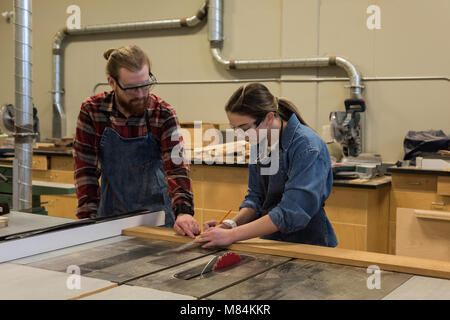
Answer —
132 175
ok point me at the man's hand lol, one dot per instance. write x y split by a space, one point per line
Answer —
186 225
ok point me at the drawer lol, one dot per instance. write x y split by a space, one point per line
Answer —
414 182
423 234
443 186
418 200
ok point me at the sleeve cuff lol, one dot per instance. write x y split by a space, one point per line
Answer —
183 208
250 204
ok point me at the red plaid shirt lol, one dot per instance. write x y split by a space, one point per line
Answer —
90 126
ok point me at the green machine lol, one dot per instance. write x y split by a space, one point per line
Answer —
39 188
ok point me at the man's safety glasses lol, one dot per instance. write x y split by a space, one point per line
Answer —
145 87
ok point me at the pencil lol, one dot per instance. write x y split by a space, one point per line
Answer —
223 218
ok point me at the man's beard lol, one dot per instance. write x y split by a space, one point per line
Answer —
136 107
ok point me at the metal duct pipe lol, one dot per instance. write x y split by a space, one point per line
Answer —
215 26
354 76
215 14
59 113
24 134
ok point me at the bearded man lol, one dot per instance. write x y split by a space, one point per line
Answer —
129 131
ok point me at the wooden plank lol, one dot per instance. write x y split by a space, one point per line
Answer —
53 176
63 206
40 162
61 163
3 222
411 265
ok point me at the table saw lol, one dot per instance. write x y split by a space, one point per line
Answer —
126 265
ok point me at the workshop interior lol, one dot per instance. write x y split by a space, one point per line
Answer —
370 78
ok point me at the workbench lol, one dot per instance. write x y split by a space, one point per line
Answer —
128 266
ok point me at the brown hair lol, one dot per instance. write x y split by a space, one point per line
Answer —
131 58
256 101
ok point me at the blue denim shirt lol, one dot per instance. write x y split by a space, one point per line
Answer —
295 195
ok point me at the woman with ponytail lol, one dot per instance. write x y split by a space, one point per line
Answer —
286 204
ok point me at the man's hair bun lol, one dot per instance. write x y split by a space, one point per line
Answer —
108 53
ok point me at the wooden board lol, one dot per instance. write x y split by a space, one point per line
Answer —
3 222
411 265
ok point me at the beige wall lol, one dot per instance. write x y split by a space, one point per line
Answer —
413 41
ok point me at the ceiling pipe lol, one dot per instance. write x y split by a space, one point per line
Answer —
23 133
59 114
216 38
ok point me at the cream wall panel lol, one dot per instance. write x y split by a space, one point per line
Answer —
394 108
6 56
252 29
304 96
343 32
411 42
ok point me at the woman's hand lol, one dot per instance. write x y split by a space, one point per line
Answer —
216 237
212 223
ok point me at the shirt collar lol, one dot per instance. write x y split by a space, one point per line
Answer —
289 132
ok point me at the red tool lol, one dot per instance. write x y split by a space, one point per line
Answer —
226 260
217 263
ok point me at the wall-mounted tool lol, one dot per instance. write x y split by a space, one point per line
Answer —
8 15
7 120
346 127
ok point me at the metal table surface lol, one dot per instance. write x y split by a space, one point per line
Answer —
23 222
133 264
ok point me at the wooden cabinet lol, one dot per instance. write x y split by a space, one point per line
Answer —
360 217
423 233
420 205
217 189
